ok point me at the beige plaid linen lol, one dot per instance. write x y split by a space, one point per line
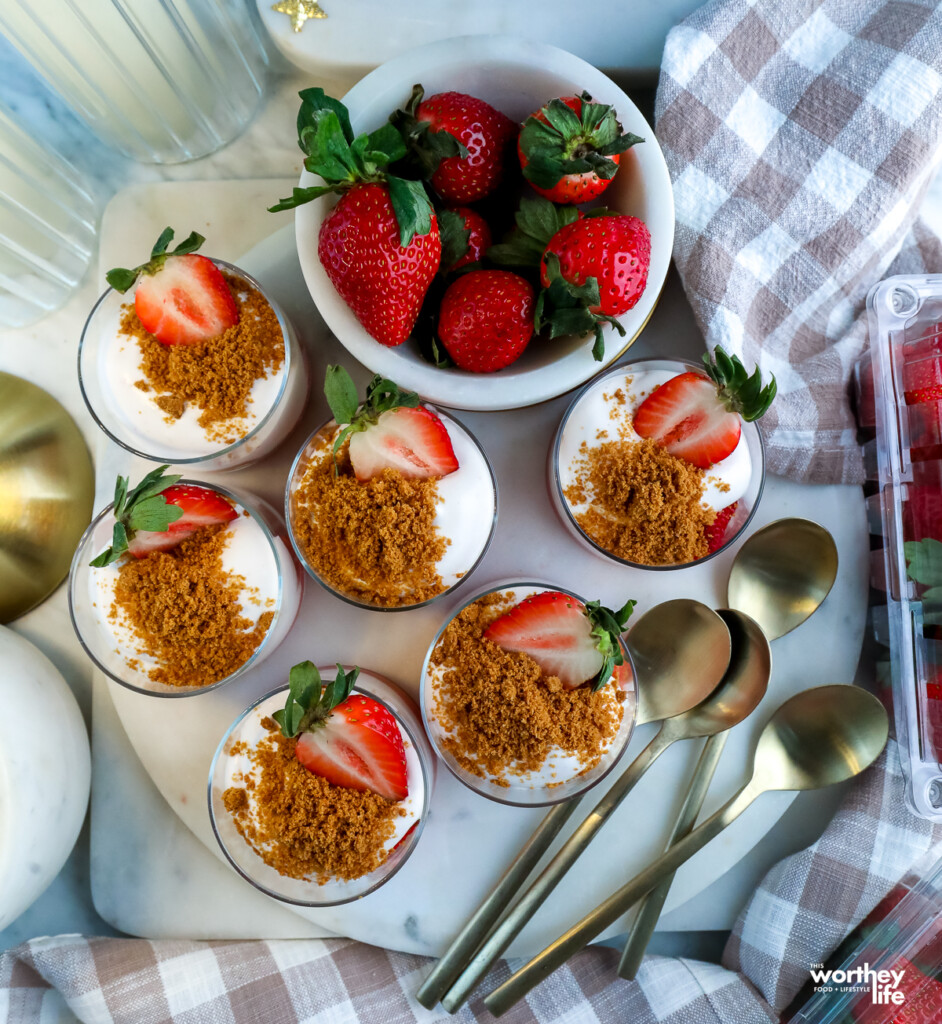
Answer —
800 138
799 914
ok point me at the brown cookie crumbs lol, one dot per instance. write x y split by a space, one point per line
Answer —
373 540
216 375
183 609
644 504
502 714
304 826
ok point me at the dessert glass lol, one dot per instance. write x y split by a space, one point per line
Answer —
308 892
264 541
517 791
585 416
469 497
142 428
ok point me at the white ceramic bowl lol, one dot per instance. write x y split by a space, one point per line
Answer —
517 77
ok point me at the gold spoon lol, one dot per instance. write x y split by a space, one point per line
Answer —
817 738
680 650
782 574
783 577
703 719
743 686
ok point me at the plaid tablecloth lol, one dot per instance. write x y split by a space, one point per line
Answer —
801 136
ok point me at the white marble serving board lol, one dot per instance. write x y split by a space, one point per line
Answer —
468 839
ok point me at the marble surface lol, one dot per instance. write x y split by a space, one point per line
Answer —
467 836
45 353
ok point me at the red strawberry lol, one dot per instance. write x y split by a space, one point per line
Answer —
349 739
486 319
201 507
569 150
474 240
181 299
483 131
380 244
158 514
716 531
934 714
381 280
922 512
360 747
922 996
389 429
414 441
567 639
922 380
697 417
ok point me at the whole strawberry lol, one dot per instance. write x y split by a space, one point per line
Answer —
380 245
486 319
485 135
593 270
569 150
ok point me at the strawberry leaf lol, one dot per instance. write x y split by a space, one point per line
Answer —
299 196
313 101
341 394
454 234
536 221
144 508
412 207
739 392
309 703
607 627
924 561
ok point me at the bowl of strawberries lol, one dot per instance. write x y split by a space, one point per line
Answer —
486 220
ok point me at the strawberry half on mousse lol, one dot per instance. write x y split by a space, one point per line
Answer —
347 738
159 514
181 298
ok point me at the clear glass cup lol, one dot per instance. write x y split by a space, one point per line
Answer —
259 551
585 418
467 515
48 222
130 418
161 82
514 790
302 891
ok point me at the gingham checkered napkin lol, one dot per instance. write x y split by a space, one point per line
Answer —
800 913
801 136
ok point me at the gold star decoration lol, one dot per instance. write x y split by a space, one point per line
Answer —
299 11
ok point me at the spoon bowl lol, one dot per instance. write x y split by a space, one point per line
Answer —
782 574
820 737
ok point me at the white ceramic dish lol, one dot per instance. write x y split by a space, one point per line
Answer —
517 77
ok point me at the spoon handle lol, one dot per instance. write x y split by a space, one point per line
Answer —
651 906
558 952
532 899
478 926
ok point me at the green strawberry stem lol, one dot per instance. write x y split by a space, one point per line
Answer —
122 279
607 627
739 392
569 143
351 414
536 221
144 508
309 703
425 149
325 136
567 308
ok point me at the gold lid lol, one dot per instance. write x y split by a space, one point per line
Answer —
47 488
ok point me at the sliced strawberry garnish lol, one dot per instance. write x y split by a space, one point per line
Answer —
349 739
414 441
158 514
716 531
389 430
186 301
201 507
563 636
697 417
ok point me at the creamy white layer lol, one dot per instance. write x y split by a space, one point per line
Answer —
599 417
238 767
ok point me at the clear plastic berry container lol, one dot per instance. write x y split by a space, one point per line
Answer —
108 368
258 550
898 388
466 516
229 764
561 776
596 415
